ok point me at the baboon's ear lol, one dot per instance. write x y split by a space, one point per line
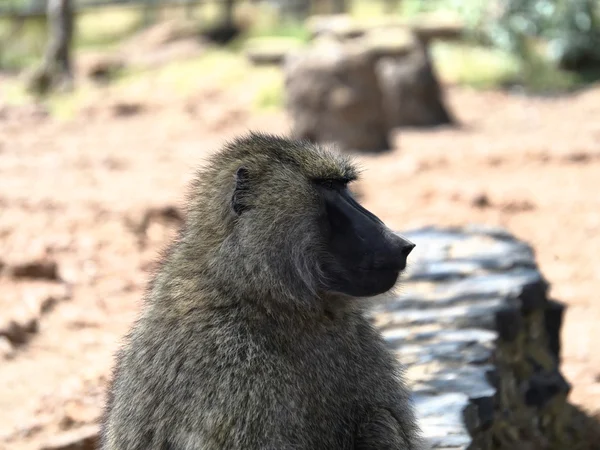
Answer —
240 193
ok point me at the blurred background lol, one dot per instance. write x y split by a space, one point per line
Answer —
459 112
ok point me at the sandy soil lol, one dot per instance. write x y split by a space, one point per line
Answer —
69 191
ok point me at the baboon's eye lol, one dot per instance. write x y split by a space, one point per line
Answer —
329 184
332 183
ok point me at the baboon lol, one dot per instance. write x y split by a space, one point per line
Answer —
253 334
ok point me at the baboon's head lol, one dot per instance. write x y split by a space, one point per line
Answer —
274 217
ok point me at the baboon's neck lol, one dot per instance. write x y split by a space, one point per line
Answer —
192 281
212 266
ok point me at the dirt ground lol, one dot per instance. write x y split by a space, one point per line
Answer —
72 191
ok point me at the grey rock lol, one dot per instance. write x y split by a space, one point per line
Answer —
333 96
461 316
413 95
472 308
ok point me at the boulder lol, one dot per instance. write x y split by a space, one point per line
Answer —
333 95
480 340
412 93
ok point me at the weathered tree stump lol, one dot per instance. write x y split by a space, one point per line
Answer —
481 343
333 95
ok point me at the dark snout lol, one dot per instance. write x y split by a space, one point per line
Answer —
394 253
368 255
381 249
364 239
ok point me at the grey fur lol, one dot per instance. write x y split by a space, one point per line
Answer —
236 348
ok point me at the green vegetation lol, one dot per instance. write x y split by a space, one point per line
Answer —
22 41
17 53
475 66
556 40
215 68
290 30
105 28
497 53
269 93
555 43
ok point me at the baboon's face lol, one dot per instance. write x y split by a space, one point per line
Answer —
365 257
305 224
